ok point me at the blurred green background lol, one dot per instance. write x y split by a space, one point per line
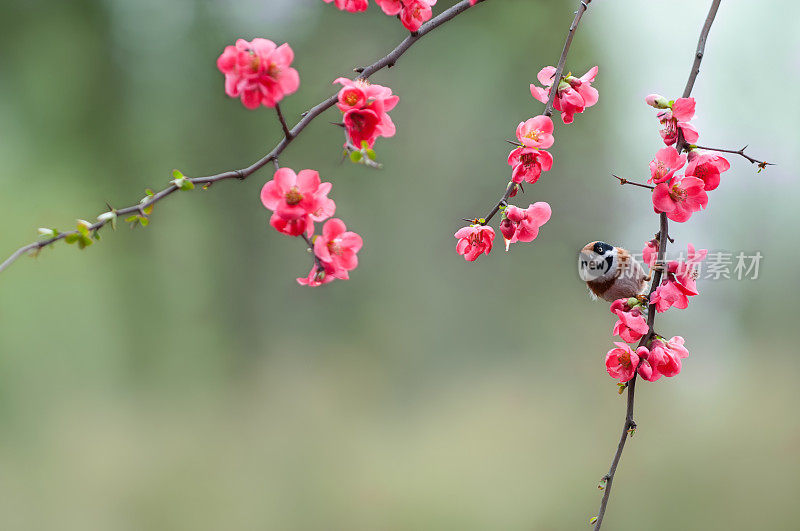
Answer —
176 377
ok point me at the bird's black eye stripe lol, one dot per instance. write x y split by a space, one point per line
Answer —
601 247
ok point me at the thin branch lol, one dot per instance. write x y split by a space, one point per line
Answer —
761 163
634 183
286 132
701 48
663 237
317 261
583 5
289 135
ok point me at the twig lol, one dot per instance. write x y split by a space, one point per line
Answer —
289 135
634 183
761 163
663 236
317 261
286 132
583 5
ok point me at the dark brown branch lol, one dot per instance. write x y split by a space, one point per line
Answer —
317 261
286 132
583 5
663 237
701 48
289 135
761 163
634 183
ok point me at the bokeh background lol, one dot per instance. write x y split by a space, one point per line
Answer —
176 377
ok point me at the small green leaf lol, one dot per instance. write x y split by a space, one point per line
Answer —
71 238
371 154
356 156
149 192
592 520
131 219
177 174
144 221
364 144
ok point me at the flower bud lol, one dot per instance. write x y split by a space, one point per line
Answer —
507 228
658 101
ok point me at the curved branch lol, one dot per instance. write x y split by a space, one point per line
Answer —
761 163
289 135
583 5
663 236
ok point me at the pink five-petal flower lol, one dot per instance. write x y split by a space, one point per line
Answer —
337 248
676 119
621 362
631 325
525 223
679 198
292 227
529 163
293 196
663 359
707 167
474 241
665 164
258 72
415 13
353 6
573 94
536 132
362 126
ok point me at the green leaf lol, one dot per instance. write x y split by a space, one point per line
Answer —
71 238
177 174
356 156
371 154
144 221
187 185
149 192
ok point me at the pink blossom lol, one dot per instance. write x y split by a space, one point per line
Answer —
366 107
677 119
525 223
621 362
631 325
353 6
529 163
707 167
663 359
650 253
258 72
415 13
337 248
292 227
390 7
573 96
362 126
666 163
317 277
294 196
474 241
536 132
646 369
679 198
679 282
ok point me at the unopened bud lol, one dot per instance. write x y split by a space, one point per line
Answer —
46 232
507 228
106 216
658 101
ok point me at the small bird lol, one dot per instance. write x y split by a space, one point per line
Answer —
611 273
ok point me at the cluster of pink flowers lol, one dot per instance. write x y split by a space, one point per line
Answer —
365 109
412 13
660 357
258 72
573 96
528 160
297 200
679 196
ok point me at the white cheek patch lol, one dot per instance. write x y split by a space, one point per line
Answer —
592 266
